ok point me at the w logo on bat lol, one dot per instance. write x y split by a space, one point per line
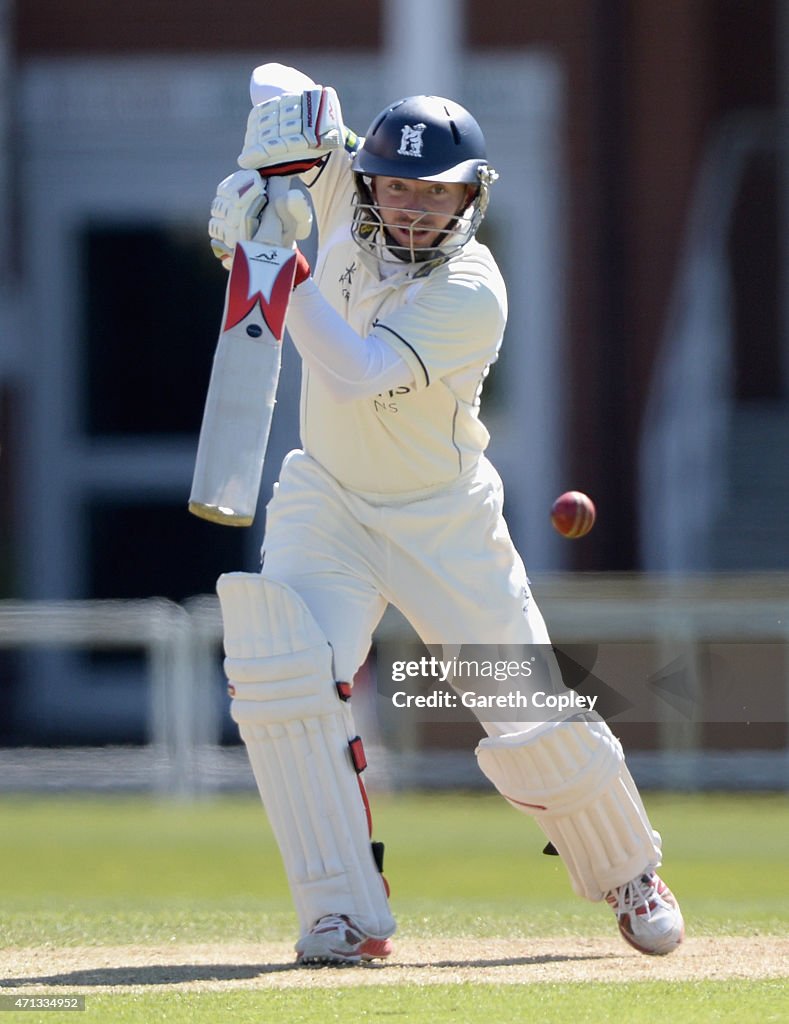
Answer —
267 257
264 278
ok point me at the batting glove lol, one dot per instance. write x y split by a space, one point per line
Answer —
235 212
293 132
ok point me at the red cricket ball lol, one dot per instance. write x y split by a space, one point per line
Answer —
573 514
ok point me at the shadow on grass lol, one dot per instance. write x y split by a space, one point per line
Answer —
175 974
165 974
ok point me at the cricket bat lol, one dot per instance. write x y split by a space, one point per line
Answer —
243 385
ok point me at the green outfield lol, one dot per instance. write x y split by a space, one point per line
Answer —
160 911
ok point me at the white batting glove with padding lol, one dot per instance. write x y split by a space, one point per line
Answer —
247 206
295 215
235 212
293 132
287 217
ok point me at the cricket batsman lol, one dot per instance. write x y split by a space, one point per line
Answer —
391 499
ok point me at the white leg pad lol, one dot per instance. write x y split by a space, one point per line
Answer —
572 778
298 735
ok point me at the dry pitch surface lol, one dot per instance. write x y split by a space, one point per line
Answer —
261 966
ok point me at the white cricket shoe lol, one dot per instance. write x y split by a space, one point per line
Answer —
335 939
648 914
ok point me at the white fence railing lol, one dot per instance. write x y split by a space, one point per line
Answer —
182 645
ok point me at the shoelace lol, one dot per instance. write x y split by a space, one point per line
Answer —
635 894
340 923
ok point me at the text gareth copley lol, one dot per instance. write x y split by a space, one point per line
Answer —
471 699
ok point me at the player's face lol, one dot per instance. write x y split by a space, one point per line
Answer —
416 213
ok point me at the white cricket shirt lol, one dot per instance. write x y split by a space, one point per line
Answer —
447 326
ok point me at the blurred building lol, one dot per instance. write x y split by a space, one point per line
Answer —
640 219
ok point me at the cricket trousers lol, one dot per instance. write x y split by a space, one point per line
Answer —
446 561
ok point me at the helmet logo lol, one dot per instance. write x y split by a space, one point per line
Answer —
411 140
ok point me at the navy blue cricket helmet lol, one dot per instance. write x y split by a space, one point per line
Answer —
428 138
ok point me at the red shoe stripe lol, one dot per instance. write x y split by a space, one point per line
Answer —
376 948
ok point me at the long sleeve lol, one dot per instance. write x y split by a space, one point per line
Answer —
352 367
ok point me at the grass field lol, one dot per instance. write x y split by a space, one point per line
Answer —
180 913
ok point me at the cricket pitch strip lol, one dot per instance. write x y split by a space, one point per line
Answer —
225 967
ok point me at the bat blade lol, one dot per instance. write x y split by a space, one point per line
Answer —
243 385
